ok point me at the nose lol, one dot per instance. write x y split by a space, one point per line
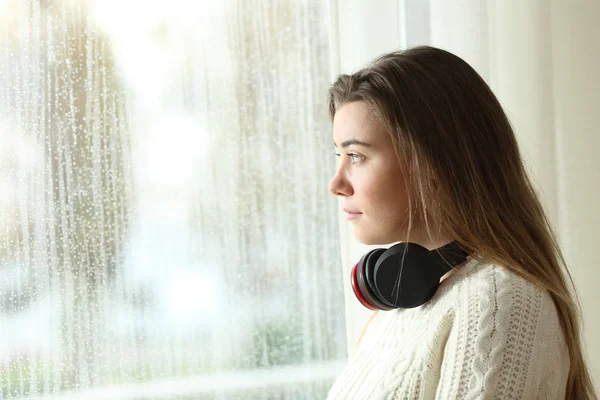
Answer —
339 185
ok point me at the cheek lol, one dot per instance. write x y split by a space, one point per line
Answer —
386 195
396 201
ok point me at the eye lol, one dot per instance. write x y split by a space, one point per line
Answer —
355 157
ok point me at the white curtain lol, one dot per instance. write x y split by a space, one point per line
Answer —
166 230
541 59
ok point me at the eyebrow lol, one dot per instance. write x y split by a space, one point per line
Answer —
353 141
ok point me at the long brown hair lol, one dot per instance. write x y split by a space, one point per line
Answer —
466 173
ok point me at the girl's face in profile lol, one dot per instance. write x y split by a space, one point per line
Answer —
369 178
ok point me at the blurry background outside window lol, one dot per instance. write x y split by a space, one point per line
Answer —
166 230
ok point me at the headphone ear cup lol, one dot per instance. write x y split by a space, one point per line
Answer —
400 275
369 271
357 291
408 274
364 270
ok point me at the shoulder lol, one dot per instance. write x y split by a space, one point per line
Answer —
490 287
500 305
505 327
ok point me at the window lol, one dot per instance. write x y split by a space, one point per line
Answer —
166 228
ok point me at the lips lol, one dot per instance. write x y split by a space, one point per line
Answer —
352 214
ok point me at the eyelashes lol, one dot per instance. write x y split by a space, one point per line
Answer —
354 157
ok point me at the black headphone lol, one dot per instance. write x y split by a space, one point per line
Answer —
404 276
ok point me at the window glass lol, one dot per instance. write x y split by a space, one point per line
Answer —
166 230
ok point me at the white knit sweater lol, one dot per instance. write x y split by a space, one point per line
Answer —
486 334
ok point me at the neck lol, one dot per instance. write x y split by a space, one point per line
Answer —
430 243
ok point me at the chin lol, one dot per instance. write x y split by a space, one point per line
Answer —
369 240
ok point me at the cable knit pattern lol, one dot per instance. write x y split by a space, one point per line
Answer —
486 334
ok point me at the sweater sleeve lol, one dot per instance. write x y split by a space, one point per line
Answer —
505 343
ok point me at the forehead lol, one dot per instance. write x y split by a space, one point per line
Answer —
354 121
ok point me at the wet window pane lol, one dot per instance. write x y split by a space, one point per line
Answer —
166 228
